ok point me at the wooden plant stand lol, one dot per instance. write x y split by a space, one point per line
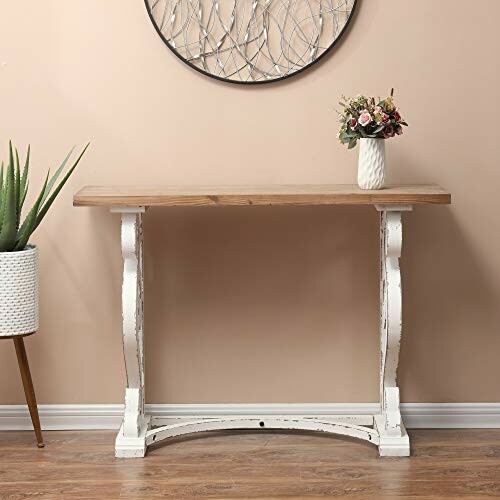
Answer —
29 390
385 429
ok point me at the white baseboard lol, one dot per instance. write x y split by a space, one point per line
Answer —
101 416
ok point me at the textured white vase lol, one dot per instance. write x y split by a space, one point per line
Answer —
19 292
371 163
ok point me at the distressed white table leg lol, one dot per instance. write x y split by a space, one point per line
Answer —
393 437
131 438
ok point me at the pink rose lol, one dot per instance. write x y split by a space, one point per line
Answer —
364 118
399 130
389 131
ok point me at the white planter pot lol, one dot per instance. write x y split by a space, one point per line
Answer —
19 292
371 163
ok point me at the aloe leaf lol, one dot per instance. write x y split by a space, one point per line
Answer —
56 175
9 226
18 190
1 195
53 196
23 194
24 177
28 225
24 180
21 230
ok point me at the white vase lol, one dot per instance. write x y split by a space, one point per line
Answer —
371 163
19 292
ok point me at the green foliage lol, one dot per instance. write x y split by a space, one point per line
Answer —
13 189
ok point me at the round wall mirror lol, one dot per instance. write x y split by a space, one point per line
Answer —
250 41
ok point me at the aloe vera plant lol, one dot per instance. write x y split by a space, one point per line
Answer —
14 236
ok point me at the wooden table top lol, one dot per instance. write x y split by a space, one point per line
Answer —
293 194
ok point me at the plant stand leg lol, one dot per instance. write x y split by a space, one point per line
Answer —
394 440
131 439
29 390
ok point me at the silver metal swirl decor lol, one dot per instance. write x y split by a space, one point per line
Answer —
250 41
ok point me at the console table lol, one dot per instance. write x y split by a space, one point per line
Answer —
385 429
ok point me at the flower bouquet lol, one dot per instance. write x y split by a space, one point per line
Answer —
371 122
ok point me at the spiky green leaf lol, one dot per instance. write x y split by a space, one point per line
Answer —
54 194
18 190
28 225
23 195
24 178
9 226
56 175
1 196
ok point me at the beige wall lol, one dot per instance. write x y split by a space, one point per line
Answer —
258 305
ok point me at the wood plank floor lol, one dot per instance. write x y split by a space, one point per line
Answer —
459 464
